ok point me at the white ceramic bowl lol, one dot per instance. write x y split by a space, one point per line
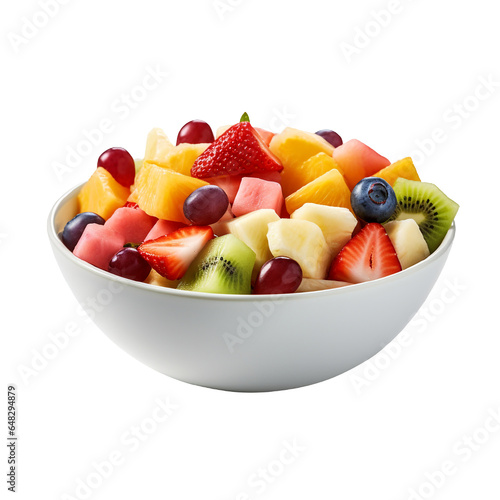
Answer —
244 342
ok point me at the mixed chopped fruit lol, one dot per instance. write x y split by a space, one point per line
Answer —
250 211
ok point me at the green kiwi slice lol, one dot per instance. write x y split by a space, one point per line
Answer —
223 266
431 209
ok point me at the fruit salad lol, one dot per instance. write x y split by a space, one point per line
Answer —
248 211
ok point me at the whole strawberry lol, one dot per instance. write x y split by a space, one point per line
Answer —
239 150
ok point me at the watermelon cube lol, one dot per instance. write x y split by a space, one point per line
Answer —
255 194
270 175
98 244
162 228
132 223
229 183
357 161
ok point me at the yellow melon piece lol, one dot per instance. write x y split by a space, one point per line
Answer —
293 147
161 192
102 195
311 169
328 189
157 146
402 168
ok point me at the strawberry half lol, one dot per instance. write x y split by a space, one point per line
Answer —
367 256
239 150
171 255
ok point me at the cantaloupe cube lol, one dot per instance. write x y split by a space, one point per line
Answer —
328 189
98 244
255 194
132 223
102 195
357 161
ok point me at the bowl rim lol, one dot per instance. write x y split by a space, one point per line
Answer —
58 245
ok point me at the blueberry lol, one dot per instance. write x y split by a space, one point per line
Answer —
75 227
373 199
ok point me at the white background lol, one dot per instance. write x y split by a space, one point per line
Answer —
379 431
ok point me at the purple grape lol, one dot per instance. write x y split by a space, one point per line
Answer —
75 227
195 132
206 205
120 164
278 275
128 263
332 137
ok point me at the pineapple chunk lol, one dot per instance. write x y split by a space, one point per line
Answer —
161 192
182 157
328 189
337 223
408 241
311 169
252 229
402 168
157 146
161 152
312 285
157 279
302 241
221 130
102 195
293 147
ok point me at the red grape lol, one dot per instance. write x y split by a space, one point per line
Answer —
278 275
75 227
195 132
206 205
120 164
128 263
332 137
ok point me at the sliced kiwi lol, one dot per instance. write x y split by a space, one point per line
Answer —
431 209
223 266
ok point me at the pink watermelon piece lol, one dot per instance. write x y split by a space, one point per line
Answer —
98 244
266 135
271 175
229 183
358 161
255 194
132 223
162 228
